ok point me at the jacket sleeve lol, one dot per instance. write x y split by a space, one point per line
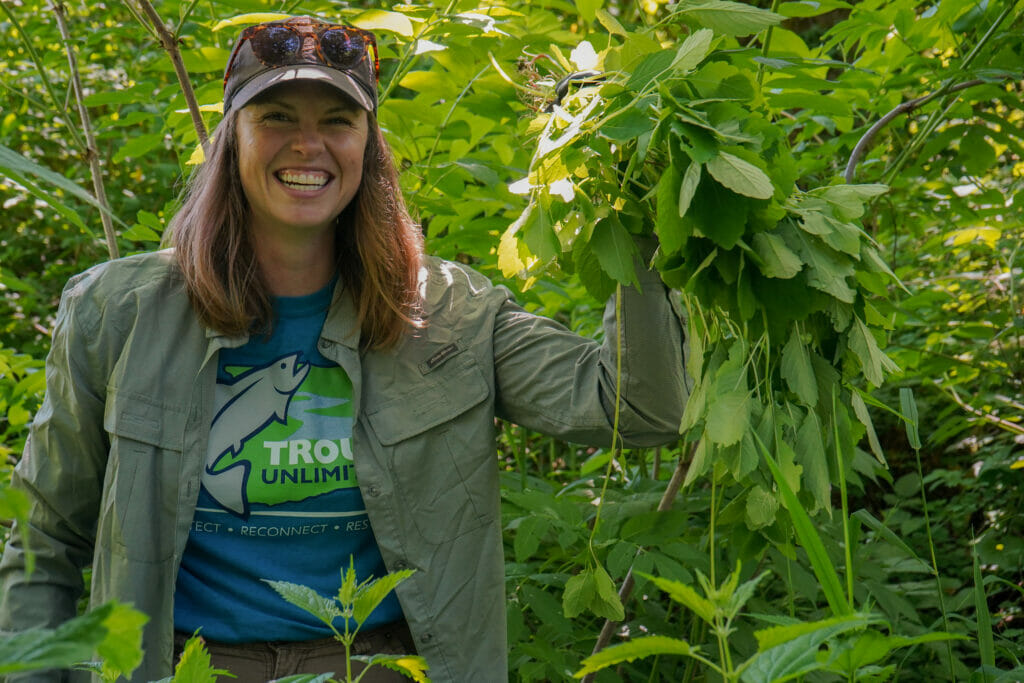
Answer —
61 472
556 382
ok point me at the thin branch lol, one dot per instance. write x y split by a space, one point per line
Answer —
169 42
674 484
91 152
1011 427
865 142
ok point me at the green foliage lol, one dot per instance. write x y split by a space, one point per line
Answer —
722 129
112 631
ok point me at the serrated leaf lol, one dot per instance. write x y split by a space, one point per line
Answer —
761 508
610 23
607 603
638 648
797 370
778 635
370 595
731 18
323 608
614 248
873 360
827 269
528 536
728 417
693 50
195 665
777 260
72 642
740 176
383 20
686 596
412 666
579 593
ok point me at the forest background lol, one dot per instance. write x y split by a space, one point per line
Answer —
836 189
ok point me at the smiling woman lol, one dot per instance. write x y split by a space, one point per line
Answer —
295 388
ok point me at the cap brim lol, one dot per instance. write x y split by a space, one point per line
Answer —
301 72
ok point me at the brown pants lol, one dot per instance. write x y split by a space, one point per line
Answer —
262 662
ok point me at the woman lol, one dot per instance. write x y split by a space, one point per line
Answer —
296 384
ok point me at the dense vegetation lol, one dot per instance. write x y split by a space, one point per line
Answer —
836 191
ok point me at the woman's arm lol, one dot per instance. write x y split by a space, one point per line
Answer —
551 380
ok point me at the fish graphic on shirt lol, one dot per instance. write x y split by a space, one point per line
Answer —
257 398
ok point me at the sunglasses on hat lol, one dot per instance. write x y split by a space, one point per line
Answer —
303 41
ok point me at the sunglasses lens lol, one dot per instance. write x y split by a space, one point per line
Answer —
341 48
275 44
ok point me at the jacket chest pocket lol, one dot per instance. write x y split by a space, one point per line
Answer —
439 444
139 509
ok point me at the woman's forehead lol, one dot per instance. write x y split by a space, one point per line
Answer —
306 93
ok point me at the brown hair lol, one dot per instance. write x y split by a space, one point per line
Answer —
378 246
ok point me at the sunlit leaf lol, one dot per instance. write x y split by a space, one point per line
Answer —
740 176
729 18
249 19
383 20
638 648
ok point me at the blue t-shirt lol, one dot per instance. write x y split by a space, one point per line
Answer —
279 497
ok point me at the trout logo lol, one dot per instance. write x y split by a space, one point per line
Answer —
255 399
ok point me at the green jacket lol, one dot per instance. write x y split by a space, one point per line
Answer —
113 459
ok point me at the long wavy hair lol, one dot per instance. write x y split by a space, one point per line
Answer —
378 246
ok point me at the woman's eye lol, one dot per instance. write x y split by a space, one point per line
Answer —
339 120
275 116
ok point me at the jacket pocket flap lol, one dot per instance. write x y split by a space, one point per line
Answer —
140 418
449 393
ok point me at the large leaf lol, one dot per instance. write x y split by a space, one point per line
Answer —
796 656
615 249
693 50
873 360
730 18
797 370
740 176
686 596
777 260
382 20
638 648
592 589
411 666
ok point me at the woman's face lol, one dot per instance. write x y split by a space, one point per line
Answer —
300 157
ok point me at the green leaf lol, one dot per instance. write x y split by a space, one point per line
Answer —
138 146
610 23
777 260
797 370
730 18
579 593
382 20
249 19
740 176
717 213
194 665
19 167
668 227
982 616
412 666
849 200
305 598
728 417
864 417
588 8
809 539
370 595
761 508
908 407
871 522
693 50
638 648
38 649
797 655
607 603
615 249
121 649
688 188
528 536
871 646
686 596
650 69
873 360
827 270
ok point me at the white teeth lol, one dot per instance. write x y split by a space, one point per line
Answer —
304 180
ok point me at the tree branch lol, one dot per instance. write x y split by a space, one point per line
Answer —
169 42
91 152
674 484
865 142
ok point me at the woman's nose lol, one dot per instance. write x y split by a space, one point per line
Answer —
308 141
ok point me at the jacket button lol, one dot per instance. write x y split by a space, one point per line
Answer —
373 491
323 345
401 565
426 638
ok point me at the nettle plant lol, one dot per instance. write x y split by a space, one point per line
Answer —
786 294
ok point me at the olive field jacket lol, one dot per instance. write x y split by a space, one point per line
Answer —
113 460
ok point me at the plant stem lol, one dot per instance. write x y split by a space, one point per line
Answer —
841 470
674 484
169 42
34 56
91 153
766 46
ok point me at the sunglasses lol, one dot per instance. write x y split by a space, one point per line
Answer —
338 46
